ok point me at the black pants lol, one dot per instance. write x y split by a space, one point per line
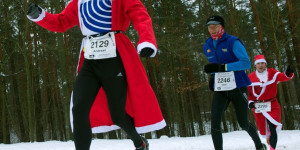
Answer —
94 74
273 137
239 98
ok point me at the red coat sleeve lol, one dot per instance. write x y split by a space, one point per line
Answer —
281 77
141 21
63 21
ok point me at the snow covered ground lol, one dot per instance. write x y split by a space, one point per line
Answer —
239 140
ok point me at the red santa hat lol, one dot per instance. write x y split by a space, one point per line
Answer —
259 58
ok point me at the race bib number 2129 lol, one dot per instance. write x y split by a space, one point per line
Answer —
100 47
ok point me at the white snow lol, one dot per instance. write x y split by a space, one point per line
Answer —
238 140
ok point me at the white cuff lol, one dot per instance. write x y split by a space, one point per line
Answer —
41 17
250 101
146 44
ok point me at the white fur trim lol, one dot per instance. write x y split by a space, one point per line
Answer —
250 102
71 114
273 121
41 17
140 130
152 127
146 44
102 129
260 60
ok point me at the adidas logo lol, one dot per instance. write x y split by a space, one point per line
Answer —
245 95
120 75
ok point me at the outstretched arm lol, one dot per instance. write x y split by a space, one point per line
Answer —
286 76
57 22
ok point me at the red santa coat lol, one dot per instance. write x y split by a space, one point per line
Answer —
260 90
141 103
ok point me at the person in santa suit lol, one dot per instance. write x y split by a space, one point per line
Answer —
228 61
262 98
111 89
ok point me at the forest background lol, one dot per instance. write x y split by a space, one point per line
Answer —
37 67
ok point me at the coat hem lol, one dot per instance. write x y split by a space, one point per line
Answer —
140 130
152 127
273 121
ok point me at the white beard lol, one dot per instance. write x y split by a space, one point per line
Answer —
262 76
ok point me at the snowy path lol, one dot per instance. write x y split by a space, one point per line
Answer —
239 140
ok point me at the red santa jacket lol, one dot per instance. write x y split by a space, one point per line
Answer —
267 90
141 101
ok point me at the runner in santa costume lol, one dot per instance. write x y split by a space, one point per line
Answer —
111 90
262 98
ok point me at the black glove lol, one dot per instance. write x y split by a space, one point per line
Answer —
289 70
146 52
251 105
211 82
34 11
209 68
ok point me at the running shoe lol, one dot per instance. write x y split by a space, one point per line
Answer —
145 145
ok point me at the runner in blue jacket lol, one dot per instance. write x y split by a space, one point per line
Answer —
228 59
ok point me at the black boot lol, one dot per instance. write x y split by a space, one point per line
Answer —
145 145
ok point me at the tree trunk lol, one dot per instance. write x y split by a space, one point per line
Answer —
37 92
2 98
232 18
289 122
5 128
294 32
258 26
29 78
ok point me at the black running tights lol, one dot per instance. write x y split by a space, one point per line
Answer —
273 136
94 74
220 102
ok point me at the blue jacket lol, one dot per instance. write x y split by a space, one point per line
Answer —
229 50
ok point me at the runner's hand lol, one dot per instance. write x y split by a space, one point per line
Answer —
289 70
34 11
146 52
251 105
209 68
